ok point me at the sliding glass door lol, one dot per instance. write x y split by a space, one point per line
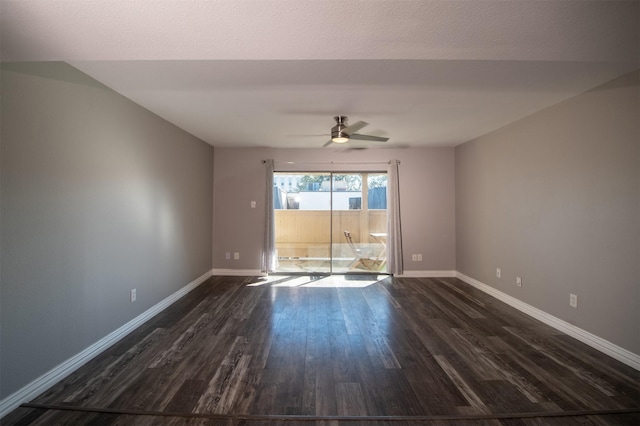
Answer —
330 222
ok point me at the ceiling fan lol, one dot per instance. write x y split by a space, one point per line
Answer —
342 132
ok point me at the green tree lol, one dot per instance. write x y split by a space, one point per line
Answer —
305 180
353 182
377 181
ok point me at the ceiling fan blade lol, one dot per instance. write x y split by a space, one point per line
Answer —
317 135
356 136
329 142
354 127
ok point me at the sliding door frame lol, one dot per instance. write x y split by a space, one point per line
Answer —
363 207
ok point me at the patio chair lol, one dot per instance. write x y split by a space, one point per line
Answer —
362 256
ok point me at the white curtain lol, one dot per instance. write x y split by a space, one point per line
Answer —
269 243
394 230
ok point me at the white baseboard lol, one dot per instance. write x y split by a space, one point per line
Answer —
237 272
48 379
623 355
427 274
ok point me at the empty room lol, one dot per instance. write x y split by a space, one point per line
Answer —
331 212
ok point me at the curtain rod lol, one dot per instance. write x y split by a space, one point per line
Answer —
331 162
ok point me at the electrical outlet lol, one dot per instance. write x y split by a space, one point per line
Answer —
133 295
573 300
519 281
227 256
236 256
498 273
253 204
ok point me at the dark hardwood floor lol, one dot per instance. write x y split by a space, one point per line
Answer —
401 351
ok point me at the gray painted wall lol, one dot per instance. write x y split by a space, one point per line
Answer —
427 193
98 196
555 198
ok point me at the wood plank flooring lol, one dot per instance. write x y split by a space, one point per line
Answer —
401 351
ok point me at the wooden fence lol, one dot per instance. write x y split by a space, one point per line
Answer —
308 233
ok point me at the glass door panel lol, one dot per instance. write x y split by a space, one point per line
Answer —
302 210
346 221
377 212
359 223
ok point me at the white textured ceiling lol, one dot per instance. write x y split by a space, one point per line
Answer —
270 72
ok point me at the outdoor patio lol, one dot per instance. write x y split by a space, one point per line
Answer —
307 240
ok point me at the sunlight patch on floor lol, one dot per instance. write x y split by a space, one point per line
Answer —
317 281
